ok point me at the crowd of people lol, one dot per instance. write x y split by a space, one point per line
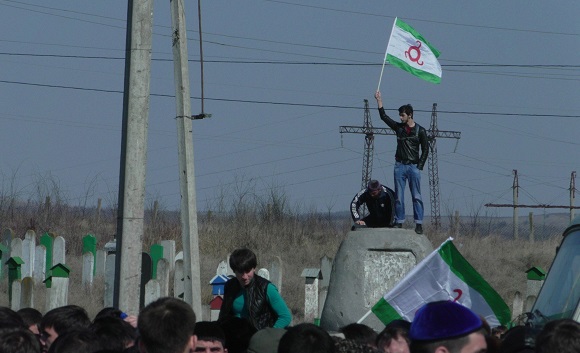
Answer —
255 319
169 325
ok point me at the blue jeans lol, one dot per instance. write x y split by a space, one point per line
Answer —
402 174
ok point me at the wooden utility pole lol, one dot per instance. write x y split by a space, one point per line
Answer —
131 201
516 204
189 231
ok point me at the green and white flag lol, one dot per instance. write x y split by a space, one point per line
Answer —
408 50
443 275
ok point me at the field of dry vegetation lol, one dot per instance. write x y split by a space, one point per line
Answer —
272 229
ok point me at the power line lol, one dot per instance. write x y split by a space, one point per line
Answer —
285 103
285 62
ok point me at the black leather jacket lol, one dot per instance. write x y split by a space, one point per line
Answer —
408 144
261 313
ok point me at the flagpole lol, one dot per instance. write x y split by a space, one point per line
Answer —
385 57
364 317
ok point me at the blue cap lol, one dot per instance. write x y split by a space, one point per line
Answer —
443 320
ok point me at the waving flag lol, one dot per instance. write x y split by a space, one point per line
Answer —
408 50
443 275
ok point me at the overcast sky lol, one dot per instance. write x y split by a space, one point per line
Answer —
281 77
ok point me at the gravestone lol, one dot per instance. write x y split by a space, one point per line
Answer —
178 280
325 269
5 246
27 293
88 268
156 254
311 278
16 248
222 269
90 246
163 273
152 292
109 280
264 273
47 241
146 268
58 251
28 248
276 273
518 305
169 252
101 263
369 263
39 272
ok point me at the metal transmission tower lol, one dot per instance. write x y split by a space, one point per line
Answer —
369 131
369 147
434 170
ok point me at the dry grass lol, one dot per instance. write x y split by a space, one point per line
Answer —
272 229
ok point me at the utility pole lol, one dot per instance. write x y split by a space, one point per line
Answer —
131 199
572 194
515 188
516 204
369 131
189 229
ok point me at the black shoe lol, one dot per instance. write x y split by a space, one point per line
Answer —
398 225
419 229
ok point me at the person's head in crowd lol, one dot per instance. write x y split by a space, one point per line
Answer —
31 318
518 339
238 333
75 341
447 327
210 338
498 331
306 338
394 338
374 189
60 320
19 341
266 340
108 312
243 262
115 334
360 333
351 346
9 317
559 336
167 325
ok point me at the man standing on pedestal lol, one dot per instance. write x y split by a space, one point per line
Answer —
410 158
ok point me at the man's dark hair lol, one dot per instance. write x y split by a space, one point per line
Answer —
359 333
210 331
306 338
392 332
64 318
19 341
108 312
30 316
243 260
114 333
9 317
559 336
407 109
75 341
166 325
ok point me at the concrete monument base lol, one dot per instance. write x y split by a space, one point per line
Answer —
369 263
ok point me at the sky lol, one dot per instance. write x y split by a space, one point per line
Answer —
280 78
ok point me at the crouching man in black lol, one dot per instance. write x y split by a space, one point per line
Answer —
380 203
